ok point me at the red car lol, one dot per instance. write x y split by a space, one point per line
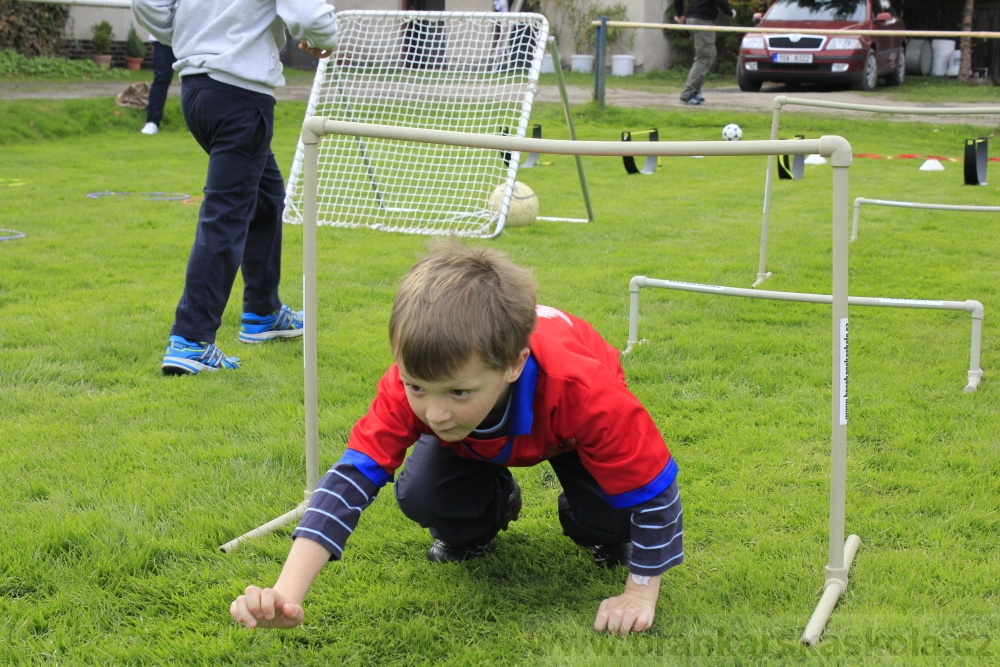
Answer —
785 56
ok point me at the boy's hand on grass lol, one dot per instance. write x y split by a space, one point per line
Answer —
633 610
266 608
281 606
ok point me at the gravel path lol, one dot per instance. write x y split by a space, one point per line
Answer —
724 98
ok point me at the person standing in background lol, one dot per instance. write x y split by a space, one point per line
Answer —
228 62
700 12
163 75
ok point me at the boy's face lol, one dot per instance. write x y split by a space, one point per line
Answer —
454 406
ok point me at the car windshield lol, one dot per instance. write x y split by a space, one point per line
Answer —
818 10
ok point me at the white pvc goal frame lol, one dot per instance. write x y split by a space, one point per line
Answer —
781 101
974 308
859 201
471 72
842 549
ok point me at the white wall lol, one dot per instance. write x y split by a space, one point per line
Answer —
81 18
650 48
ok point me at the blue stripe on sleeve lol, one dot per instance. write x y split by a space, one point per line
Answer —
524 398
650 490
367 466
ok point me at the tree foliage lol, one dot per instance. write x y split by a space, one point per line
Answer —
32 29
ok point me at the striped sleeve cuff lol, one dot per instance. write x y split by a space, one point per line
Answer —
336 506
658 533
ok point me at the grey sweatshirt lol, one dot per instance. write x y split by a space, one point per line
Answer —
236 41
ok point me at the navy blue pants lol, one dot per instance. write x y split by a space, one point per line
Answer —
462 500
163 74
239 224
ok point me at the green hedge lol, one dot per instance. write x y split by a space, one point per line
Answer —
32 29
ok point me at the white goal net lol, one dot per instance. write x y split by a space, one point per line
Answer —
467 72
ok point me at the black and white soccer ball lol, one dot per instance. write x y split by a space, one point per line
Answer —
732 132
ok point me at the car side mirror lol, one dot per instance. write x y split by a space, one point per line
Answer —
883 16
757 16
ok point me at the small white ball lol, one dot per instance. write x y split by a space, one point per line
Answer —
523 207
732 132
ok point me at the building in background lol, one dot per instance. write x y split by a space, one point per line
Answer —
650 46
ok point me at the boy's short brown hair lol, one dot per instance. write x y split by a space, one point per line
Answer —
458 301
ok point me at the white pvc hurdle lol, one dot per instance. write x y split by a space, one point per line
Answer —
974 308
781 101
909 204
841 551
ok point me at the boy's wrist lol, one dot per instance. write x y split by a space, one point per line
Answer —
305 559
643 586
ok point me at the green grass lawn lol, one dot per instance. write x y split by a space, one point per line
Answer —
119 484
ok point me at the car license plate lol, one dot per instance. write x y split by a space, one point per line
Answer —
793 58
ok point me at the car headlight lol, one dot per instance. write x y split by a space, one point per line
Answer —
844 44
752 42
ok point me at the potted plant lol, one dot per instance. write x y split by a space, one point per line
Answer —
577 17
101 34
616 39
135 50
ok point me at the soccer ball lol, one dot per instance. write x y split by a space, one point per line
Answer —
732 132
523 207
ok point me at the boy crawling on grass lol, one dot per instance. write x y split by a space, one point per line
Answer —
484 380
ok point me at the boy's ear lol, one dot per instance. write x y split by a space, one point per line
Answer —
515 370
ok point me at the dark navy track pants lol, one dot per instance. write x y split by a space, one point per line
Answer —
239 224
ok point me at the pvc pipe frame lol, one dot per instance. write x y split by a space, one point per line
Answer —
974 308
909 204
781 101
310 160
802 31
836 148
603 24
309 349
568 115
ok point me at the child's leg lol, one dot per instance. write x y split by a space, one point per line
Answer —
462 501
584 514
163 74
261 265
234 126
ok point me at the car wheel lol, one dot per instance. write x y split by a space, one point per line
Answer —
747 85
869 75
899 74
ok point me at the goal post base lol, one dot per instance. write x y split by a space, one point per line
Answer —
267 528
836 586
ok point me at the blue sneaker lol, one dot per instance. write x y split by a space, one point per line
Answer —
187 357
284 323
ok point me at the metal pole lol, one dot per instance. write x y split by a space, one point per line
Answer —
310 142
762 272
841 551
568 114
950 34
602 43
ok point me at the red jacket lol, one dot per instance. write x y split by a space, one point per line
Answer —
571 396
